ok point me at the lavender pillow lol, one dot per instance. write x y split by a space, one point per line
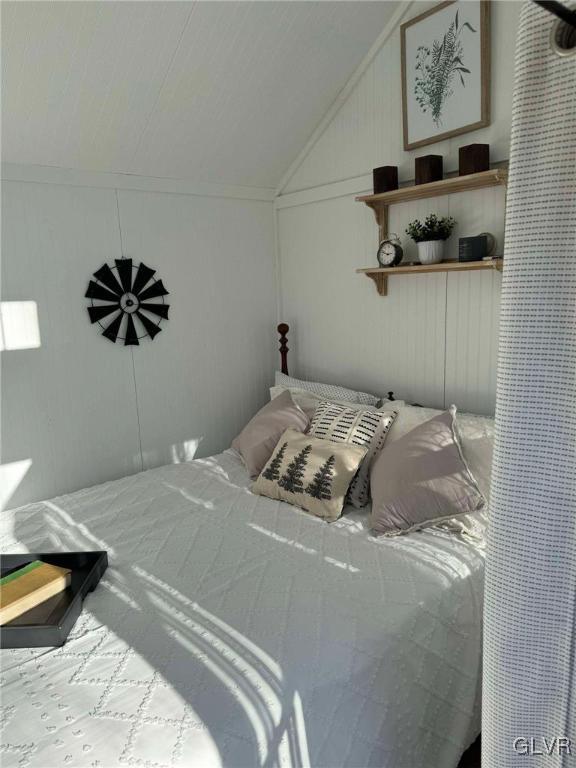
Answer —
422 479
258 439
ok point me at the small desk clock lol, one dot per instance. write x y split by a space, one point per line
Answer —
390 251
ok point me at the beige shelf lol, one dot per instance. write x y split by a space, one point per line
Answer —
493 178
380 203
380 275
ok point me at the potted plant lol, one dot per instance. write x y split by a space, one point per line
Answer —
430 237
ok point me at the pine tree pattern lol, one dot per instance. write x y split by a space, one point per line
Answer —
291 480
321 485
272 471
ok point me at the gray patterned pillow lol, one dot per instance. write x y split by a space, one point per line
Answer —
340 424
329 391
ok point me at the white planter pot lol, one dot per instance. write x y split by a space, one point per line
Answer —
431 251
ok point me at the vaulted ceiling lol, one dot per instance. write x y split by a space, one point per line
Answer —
223 92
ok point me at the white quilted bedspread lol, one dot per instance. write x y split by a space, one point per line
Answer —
232 630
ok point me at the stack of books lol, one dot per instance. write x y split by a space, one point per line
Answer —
30 586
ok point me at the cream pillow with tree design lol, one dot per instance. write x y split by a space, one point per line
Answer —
311 473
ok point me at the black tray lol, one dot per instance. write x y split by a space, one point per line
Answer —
49 623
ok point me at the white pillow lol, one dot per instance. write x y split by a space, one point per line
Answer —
476 435
409 417
326 391
392 403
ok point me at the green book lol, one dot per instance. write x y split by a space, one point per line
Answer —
19 572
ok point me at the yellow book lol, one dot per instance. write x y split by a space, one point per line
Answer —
29 586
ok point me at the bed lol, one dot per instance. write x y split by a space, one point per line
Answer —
234 630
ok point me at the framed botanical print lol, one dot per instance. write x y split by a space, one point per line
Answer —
446 71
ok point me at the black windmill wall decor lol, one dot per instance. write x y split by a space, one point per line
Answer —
127 302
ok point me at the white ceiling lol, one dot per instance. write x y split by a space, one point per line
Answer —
223 92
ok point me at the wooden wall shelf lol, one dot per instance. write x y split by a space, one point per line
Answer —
380 203
380 275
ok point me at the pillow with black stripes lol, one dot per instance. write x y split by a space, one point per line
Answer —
341 424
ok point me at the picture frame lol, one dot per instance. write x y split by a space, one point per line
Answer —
445 59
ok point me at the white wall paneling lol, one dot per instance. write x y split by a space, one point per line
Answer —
215 92
433 338
340 329
366 130
68 405
472 322
475 212
400 13
44 174
205 376
82 408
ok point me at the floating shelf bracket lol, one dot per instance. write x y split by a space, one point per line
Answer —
380 281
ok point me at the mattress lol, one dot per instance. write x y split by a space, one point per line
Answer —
233 630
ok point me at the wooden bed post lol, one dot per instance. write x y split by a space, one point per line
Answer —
283 329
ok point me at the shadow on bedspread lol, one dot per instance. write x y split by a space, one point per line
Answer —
153 674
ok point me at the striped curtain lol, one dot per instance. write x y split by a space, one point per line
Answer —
529 698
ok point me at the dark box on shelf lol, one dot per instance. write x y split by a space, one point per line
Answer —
385 178
472 248
49 623
428 168
473 158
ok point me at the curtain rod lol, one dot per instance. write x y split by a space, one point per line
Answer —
559 10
